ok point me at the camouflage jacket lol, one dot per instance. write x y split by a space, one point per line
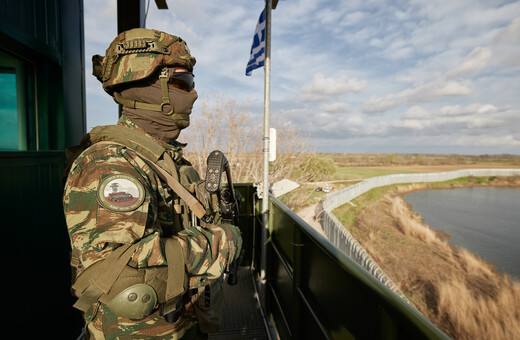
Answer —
113 197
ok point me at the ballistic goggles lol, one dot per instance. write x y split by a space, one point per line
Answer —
183 79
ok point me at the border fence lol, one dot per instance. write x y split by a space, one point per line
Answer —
343 239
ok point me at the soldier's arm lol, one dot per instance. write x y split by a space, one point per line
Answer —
208 251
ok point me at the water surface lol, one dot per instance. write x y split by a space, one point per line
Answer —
484 220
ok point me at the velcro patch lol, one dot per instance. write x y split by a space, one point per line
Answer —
120 193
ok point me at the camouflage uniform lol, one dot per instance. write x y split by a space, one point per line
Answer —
95 231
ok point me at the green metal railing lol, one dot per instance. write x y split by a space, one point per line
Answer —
315 291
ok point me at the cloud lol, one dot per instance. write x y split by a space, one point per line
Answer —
462 126
511 33
419 94
336 107
473 119
323 88
506 43
449 84
474 62
404 79
416 112
458 110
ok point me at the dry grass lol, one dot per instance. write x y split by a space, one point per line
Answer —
409 225
476 316
459 292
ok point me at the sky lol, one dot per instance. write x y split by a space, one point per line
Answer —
357 76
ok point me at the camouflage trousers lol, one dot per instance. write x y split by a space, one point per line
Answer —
102 323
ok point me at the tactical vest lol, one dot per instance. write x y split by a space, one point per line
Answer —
131 292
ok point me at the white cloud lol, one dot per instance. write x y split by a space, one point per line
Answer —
474 62
449 88
416 112
442 86
458 110
420 94
336 107
404 79
463 127
510 34
506 43
472 119
322 88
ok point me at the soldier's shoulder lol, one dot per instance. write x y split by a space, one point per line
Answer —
98 153
100 150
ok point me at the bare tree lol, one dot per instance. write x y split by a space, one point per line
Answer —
221 124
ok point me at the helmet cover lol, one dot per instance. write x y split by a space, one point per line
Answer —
137 53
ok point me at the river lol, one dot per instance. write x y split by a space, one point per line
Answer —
484 220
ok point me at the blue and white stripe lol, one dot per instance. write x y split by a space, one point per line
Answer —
257 57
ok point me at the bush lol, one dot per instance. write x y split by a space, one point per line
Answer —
319 168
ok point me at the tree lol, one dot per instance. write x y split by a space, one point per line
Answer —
222 125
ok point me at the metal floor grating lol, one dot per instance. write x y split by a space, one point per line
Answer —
242 318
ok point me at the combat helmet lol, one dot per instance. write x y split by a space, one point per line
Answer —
137 54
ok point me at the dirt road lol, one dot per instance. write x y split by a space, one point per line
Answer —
307 214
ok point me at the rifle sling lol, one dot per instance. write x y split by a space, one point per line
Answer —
192 202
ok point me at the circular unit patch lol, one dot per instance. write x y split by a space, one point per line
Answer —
121 193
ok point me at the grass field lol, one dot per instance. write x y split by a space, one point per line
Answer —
401 160
360 173
352 168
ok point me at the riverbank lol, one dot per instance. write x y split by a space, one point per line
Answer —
462 294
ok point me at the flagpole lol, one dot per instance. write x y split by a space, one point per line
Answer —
265 190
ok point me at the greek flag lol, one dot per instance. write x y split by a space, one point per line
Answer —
257 57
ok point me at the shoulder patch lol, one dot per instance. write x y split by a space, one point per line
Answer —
120 193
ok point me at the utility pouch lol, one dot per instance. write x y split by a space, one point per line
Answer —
112 277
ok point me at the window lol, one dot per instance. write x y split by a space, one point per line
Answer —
13 115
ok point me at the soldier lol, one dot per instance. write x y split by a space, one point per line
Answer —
142 266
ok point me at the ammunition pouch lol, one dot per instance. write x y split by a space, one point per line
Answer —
134 302
115 284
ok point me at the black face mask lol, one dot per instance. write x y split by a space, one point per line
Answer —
182 102
165 125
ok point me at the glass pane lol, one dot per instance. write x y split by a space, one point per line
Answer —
8 110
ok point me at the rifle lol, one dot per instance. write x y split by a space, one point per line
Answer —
228 199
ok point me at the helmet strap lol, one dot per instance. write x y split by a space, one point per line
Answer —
163 77
134 104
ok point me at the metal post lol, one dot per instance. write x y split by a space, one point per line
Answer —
265 190
130 14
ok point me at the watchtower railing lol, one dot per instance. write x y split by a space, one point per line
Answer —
315 291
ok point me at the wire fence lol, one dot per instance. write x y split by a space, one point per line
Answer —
343 239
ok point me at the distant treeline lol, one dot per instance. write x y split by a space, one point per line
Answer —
382 159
